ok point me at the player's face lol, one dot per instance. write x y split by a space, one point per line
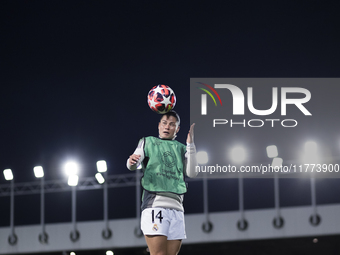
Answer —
168 127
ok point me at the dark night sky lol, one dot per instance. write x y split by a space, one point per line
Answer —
75 74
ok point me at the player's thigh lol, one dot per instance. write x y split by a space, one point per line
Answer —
157 244
173 247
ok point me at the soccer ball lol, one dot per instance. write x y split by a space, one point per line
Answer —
161 99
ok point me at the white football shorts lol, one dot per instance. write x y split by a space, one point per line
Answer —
163 221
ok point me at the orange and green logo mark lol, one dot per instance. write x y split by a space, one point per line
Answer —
209 93
204 97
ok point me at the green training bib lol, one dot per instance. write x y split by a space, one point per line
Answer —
164 169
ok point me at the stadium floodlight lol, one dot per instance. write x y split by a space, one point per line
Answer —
311 148
277 162
38 172
8 174
272 151
238 154
100 178
310 152
101 166
73 180
109 253
202 157
71 168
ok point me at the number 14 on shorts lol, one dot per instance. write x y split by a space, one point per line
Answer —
163 221
155 216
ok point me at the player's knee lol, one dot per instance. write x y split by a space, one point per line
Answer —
158 253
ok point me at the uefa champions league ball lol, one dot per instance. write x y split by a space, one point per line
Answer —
161 99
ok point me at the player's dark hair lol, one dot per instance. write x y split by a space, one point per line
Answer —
174 114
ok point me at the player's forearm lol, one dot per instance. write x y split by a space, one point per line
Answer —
139 151
191 160
129 166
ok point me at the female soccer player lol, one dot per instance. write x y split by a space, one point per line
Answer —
164 161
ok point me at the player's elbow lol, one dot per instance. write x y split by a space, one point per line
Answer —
192 173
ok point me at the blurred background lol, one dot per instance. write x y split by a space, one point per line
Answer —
73 86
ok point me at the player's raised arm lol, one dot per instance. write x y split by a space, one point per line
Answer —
190 138
191 154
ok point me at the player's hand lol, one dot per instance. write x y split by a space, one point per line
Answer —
190 138
133 159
